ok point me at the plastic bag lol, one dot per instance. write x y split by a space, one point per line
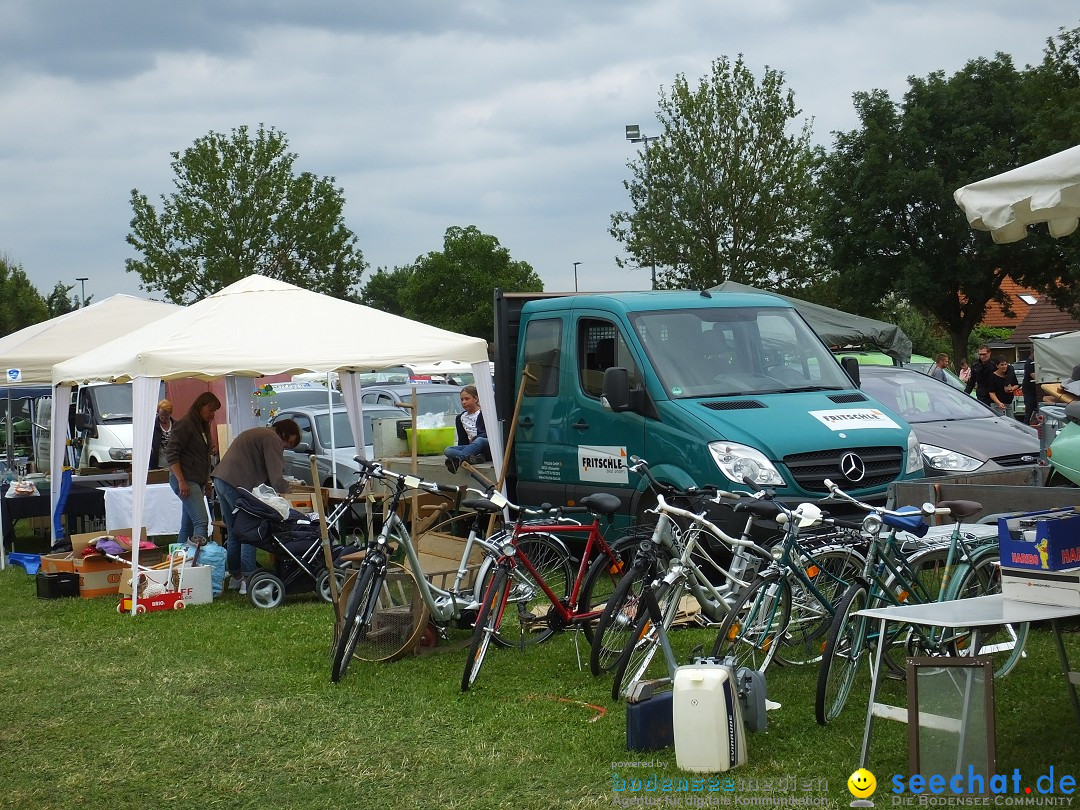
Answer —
213 555
268 495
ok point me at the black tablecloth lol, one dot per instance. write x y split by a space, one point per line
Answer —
84 500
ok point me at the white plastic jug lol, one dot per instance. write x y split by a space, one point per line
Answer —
707 719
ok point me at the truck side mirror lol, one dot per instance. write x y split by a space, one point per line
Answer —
617 389
303 447
851 366
83 422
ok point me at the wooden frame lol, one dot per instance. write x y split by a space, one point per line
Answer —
966 671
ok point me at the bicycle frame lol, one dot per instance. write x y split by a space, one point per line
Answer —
669 535
567 613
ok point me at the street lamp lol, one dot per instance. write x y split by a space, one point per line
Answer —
82 284
633 134
575 275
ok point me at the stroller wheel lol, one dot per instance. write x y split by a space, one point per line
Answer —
265 590
322 584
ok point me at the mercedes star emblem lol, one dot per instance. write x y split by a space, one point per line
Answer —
852 467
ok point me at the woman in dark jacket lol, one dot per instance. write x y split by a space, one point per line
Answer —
188 455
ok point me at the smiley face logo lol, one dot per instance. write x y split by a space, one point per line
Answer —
862 783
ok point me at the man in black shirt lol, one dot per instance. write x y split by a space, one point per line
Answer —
981 371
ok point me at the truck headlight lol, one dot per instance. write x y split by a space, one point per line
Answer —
737 461
120 453
914 454
949 460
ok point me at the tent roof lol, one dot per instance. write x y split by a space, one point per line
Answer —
260 326
37 348
839 328
1047 190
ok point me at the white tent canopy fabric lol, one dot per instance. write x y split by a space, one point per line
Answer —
260 326
34 351
1047 190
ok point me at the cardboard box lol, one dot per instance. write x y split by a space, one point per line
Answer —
58 563
1045 587
100 576
194 586
160 476
1041 541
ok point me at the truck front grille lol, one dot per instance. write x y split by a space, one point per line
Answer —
881 465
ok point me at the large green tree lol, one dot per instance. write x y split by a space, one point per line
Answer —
888 212
727 190
21 305
60 301
452 288
240 209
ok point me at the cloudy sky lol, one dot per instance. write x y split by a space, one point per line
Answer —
504 114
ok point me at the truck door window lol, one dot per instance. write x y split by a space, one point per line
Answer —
543 339
600 347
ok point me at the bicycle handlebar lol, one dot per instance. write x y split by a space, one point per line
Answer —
641 467
927 509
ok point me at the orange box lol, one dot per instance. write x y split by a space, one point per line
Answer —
98 575
58 563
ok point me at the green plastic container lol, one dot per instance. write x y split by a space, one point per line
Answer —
432 441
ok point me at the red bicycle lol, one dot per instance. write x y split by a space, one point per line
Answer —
531 592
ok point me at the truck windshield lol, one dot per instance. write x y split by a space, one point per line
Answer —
733 351
113 402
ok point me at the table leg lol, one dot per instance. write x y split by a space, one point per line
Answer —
1069 675
875 674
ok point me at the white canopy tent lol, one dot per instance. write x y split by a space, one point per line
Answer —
1047 190
260 326
28 356
34 351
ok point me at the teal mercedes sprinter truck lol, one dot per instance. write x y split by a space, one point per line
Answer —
710 388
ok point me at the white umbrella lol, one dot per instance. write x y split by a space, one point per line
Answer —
1047 190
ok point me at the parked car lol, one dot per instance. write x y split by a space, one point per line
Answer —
957 432
430 397
315 423
918 362
283 396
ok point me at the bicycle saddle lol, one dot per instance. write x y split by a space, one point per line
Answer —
768 510
961 509
481 505
602 503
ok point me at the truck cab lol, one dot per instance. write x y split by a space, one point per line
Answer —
710 388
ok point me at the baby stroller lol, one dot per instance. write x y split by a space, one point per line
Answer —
295 542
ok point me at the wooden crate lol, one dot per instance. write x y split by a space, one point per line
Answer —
440 554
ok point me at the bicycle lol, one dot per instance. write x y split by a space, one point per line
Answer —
388 606
533 575
786 612
647 600
963 566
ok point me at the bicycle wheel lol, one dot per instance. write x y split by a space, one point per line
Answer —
525 619
1003 643
753 630
487 624
645 637
842 655
615 626
356 606
830 571
397 619
601 580
927 572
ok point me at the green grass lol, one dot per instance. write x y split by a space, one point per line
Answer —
224 705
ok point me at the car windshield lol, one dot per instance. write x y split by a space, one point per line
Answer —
733 351
342 432
919 398
343 435
436 401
